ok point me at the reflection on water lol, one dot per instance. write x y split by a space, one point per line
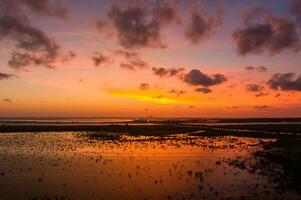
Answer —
105 166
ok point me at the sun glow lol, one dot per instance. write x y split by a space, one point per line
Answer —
149 96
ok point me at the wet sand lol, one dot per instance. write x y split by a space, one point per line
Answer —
97 165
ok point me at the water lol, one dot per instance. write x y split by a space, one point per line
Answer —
242 123
80 165
72 121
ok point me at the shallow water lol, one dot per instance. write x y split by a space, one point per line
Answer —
83 165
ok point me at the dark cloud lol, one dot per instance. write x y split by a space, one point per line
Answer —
285 82
7 100
196 77
127 59
261 107
47 8
32 46
203 90
144 86
4 76
126 54
176 92
100 59
21 60
134 27
260 94
258 69
132 60
38 47
37 7
166 12
201 25
134 64
295 9
254 88
167 72
272 35
139 23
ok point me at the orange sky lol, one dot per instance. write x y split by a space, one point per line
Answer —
164 65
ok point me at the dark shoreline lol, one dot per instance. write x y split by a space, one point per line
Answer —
130 129
255 131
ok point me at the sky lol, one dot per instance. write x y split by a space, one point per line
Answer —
155 58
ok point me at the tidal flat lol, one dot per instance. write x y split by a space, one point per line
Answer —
100 165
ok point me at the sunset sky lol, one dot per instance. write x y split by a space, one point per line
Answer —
214 58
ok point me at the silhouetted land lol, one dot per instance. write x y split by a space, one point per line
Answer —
166 127
259 131
130 129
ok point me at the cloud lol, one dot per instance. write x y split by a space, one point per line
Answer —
260 94
126 53
203 90
295 9
100 59
69 56
261 107
38 47
44 7
144 86
167 72
196 77
4 76
258 69
272 35
37 7
134 27
132 60
134 64
285 82
254 88
176 92
166 12
138 24
201 25
32 46
127 59
7 100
